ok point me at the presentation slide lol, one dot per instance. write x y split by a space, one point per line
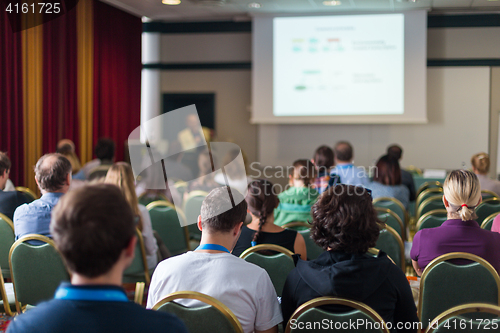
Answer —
339 65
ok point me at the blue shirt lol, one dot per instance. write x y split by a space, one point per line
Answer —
89 312
400 192
351 175
34 218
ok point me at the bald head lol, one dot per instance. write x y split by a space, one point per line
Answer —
343 152
53 173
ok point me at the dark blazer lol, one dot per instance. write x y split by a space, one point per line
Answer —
9 201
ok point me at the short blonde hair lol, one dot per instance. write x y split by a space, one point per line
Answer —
481 162
463 192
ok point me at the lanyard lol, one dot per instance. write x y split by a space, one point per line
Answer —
76 294
213 247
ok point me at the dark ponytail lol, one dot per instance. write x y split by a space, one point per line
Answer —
261 202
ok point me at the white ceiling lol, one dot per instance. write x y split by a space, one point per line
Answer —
239 9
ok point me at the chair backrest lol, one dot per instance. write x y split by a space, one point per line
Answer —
486 208
99 172
182 188
5 297
414 170
309 312
391 243
432 219
430 192
29 194
427 185
277 265
145 198
192 208
7 238
138 270
429 204
391 219
444 285
304 228
452 319
213 317
165 220
393 204
487 194
36 270
488 222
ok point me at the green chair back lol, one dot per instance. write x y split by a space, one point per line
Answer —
165 220
391 219
310 312
426 185
488 222
212 317
145 199
138 270
7 238
487 318
426 194
394 205
432 219
304 228
277 265
487 194
444 285
192 208
486 208
430 204
36 270
391 243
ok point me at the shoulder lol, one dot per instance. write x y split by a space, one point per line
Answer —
159 320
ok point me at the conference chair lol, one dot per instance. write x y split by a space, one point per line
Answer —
277 265
182 188
395 205
36 270
8 300
430 204
430 192
165 221
414 170
391 219
146 198
445 284
138 270
310 312
212 317
7 238
313 250
488 222
432 219
29 194
192 208
486 208
427 185
487 194
391 243
487 319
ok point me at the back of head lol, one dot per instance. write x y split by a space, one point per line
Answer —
304 170
323 158
343 151
105 149
91 225
68 151
481 162
463 192
205 163
218 214
395 151
344 220
388 171
261 201
5 163
51 172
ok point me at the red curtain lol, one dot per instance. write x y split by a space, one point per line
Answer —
11 98
117 74
60 108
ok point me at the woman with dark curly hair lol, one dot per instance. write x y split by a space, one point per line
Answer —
345 225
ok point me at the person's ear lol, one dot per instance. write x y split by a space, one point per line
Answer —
446 203
199 223
68 179
237 228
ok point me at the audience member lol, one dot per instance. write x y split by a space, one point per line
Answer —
192 136
406 177
236 173
387 181
460 233
481 166
323 160
9 200
344 167
205 181
66 148
121 175
262 201
105 153
94 230
345 224
296 202
244 288
53 177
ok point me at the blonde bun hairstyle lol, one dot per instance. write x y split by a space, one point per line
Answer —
463 193
481 162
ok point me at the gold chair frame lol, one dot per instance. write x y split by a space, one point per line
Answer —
397 202
328 300
159 195
9 221
489 200
425 203
437 190
432 212
296 224
401 246
465 308
205 299
5 298
142 248
192 194
456 255
396 216
270 247
486 220
164 203
412 168
27 191
488 192
427 185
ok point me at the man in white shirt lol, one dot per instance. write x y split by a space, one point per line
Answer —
244 288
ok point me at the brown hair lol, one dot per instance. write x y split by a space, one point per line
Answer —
343 150
395 151
481 162
388 171
304 170
261 201
52 176
68 151
91 226
323 158
344 220
5 163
